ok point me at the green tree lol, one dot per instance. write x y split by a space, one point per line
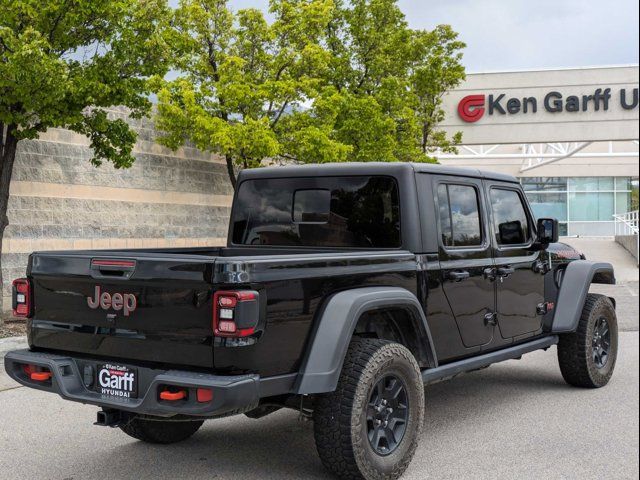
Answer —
326 81
436 70
62 62
400 75
240 77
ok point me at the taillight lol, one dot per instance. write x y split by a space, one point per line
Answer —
235 313
22 298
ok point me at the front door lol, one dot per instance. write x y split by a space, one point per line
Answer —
519 285
465 257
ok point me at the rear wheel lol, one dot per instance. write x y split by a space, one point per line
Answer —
588 356
369 426
160 431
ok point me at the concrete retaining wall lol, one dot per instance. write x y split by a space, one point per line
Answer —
630 243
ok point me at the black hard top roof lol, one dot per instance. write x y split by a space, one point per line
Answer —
370 168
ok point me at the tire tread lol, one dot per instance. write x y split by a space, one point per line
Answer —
573 348
333 411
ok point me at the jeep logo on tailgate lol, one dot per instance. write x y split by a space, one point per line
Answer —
126 302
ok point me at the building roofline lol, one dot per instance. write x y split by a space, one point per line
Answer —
553 69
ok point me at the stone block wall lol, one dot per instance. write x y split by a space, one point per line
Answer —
59 201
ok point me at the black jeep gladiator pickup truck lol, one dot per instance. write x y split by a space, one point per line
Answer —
342 291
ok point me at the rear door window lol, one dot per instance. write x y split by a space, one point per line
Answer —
459 213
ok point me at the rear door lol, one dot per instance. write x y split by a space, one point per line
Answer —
466 257
130 306
520 289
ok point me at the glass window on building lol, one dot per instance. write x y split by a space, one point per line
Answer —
623 183
584 205
549 205
623 202
545 184
591 206
591 184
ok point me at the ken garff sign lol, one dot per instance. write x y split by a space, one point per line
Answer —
557 105
472 108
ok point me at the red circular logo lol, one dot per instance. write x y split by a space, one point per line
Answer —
471 108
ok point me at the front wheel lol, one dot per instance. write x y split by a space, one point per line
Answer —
368 428
588 356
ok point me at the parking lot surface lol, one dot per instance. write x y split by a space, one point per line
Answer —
517 419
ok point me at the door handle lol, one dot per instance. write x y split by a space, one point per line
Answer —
491 318
505 271
458 275
489 273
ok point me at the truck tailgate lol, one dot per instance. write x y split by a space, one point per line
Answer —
133 306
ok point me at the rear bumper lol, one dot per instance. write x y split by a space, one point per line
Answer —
231 394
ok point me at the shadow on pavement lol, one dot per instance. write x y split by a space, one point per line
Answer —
281 446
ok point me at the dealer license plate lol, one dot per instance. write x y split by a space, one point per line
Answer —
117 381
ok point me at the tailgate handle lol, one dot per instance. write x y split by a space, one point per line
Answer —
118 268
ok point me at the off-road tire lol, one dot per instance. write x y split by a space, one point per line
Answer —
575 350
340 424
160 431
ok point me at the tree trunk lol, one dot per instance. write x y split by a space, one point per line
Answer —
230 170
8 146
425 138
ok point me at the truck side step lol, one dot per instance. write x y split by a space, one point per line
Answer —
450 370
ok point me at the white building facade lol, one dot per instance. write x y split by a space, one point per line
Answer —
569 135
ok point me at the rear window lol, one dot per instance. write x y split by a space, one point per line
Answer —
362 212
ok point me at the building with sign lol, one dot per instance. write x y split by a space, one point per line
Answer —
570 135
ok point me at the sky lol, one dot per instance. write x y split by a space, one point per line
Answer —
528 34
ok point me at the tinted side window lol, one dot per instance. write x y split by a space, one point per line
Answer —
509 217
361 211
459 215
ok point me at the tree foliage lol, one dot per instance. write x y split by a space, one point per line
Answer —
63 62
325 81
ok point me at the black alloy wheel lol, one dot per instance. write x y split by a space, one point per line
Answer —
387 414
601 342
368 427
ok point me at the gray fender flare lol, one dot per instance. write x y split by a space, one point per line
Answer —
334 328
577 278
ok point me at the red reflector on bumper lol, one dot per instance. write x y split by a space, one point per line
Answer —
204 395
40 376
173 396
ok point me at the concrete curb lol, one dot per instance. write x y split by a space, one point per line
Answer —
12 343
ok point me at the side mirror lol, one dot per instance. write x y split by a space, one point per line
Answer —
548 231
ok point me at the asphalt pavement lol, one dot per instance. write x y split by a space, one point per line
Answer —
517 419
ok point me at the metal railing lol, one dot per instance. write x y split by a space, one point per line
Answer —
626 223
